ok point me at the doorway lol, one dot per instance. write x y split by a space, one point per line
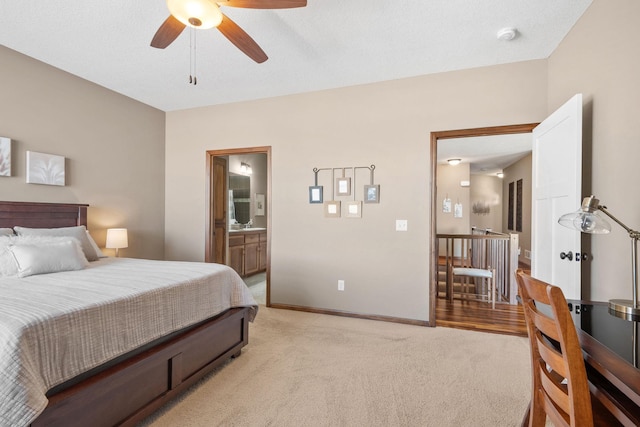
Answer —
434 258
238 214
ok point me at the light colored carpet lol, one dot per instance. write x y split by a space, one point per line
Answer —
304 369
258 286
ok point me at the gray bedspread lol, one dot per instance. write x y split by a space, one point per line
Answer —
54 327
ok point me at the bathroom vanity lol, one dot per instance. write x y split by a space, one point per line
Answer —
248 250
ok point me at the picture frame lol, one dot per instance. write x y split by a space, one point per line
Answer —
457 210
372 193
354 209
47 169
510 208
332 209
259 204
519 205
446 205
5 156
343 186
315 194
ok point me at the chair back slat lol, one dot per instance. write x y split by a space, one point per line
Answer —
553 387
560 390
544 323
551 356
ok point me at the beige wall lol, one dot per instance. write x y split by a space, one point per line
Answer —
519 170
114 149
600 59
449 178
387 124
487 191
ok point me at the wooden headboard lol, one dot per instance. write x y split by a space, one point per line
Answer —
42 215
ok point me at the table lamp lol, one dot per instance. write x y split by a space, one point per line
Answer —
588 220
117 238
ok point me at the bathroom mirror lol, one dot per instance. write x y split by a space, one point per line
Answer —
239 198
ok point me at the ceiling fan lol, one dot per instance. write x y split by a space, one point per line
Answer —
205 14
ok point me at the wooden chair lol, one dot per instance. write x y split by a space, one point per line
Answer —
559 387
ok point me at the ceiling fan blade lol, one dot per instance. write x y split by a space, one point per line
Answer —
167 33
264 4
242 40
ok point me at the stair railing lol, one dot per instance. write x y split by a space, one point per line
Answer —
483 249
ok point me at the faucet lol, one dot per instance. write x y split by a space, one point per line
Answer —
249 224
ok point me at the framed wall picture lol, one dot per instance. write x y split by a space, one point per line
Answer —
510 206
315 194
332 209
354 209
343 186
457 210
45 169
259 204
5 156
446 205
372 193
519 205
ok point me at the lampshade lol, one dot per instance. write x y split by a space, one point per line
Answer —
117 238
200 14
587 219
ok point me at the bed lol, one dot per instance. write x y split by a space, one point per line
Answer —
118 339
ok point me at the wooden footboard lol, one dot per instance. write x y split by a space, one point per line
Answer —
126 393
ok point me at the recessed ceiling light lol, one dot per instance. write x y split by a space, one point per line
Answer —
507 34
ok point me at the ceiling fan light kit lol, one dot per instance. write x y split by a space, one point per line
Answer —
202 14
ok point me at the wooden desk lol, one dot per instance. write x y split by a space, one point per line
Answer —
610 347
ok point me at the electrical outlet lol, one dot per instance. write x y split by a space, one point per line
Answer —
341 285
401 225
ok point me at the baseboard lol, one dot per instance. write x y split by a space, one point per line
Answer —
349 314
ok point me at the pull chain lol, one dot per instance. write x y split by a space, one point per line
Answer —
193 79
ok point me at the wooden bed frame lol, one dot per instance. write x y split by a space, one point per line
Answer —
131 387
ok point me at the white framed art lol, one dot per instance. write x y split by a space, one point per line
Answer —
259 204
47 169
332 209
5 156
354 209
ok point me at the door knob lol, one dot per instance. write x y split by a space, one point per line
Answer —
568 255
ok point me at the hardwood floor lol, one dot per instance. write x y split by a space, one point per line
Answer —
478 316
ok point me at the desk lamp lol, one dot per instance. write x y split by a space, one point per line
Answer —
117 238
588 220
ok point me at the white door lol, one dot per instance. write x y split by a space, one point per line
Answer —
556 190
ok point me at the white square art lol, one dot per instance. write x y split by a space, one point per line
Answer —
45 169
5 156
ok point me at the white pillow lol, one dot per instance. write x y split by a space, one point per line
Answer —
79 232
8 266
6 231
48 258
95 247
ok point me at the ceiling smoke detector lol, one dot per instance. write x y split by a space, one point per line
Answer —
507 34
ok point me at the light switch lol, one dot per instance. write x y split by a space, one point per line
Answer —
401 225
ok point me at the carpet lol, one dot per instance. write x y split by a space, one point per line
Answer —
257 284
305 369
